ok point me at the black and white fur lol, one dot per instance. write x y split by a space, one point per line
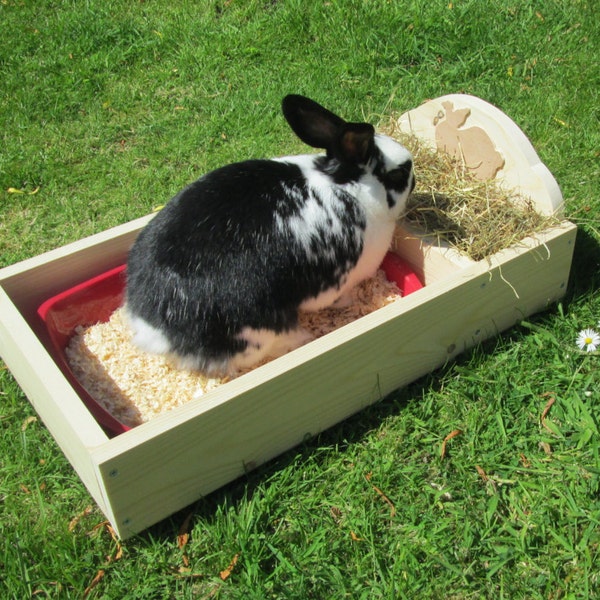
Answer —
216 279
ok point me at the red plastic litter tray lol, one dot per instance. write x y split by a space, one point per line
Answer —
94 301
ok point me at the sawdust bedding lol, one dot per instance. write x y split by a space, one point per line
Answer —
135 386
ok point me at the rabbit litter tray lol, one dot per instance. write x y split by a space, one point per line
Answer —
145 474
95 301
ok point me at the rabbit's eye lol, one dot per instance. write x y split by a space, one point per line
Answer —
397 179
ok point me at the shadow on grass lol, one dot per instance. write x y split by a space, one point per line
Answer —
584 281
585 268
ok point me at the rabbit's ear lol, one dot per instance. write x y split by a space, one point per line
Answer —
312 123
356 143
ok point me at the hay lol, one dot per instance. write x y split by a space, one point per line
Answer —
477 218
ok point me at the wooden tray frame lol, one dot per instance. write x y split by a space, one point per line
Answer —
157 468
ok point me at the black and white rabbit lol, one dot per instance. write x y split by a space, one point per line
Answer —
216 279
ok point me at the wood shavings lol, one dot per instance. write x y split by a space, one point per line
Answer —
135 386
366 297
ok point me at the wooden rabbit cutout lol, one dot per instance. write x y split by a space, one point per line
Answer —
471 145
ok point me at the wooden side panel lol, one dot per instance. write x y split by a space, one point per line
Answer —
432 262
53 398
161 466
23 287
34 280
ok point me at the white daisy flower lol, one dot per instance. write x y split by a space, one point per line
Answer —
588 340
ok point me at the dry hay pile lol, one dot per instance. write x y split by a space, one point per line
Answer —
475 217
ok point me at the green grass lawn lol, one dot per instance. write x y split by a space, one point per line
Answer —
108 108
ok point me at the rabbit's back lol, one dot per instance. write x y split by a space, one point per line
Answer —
240 249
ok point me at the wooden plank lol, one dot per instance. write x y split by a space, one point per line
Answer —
165 464
23 287
55 401
430 260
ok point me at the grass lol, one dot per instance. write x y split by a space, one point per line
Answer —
107 109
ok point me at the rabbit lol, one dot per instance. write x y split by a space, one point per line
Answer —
216 279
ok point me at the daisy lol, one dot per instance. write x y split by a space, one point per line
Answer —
588 340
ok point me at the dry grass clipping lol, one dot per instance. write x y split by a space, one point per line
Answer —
477 218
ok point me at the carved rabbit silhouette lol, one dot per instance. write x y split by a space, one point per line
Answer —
472 145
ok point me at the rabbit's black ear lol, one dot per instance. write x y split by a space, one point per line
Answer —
356 143
312 123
